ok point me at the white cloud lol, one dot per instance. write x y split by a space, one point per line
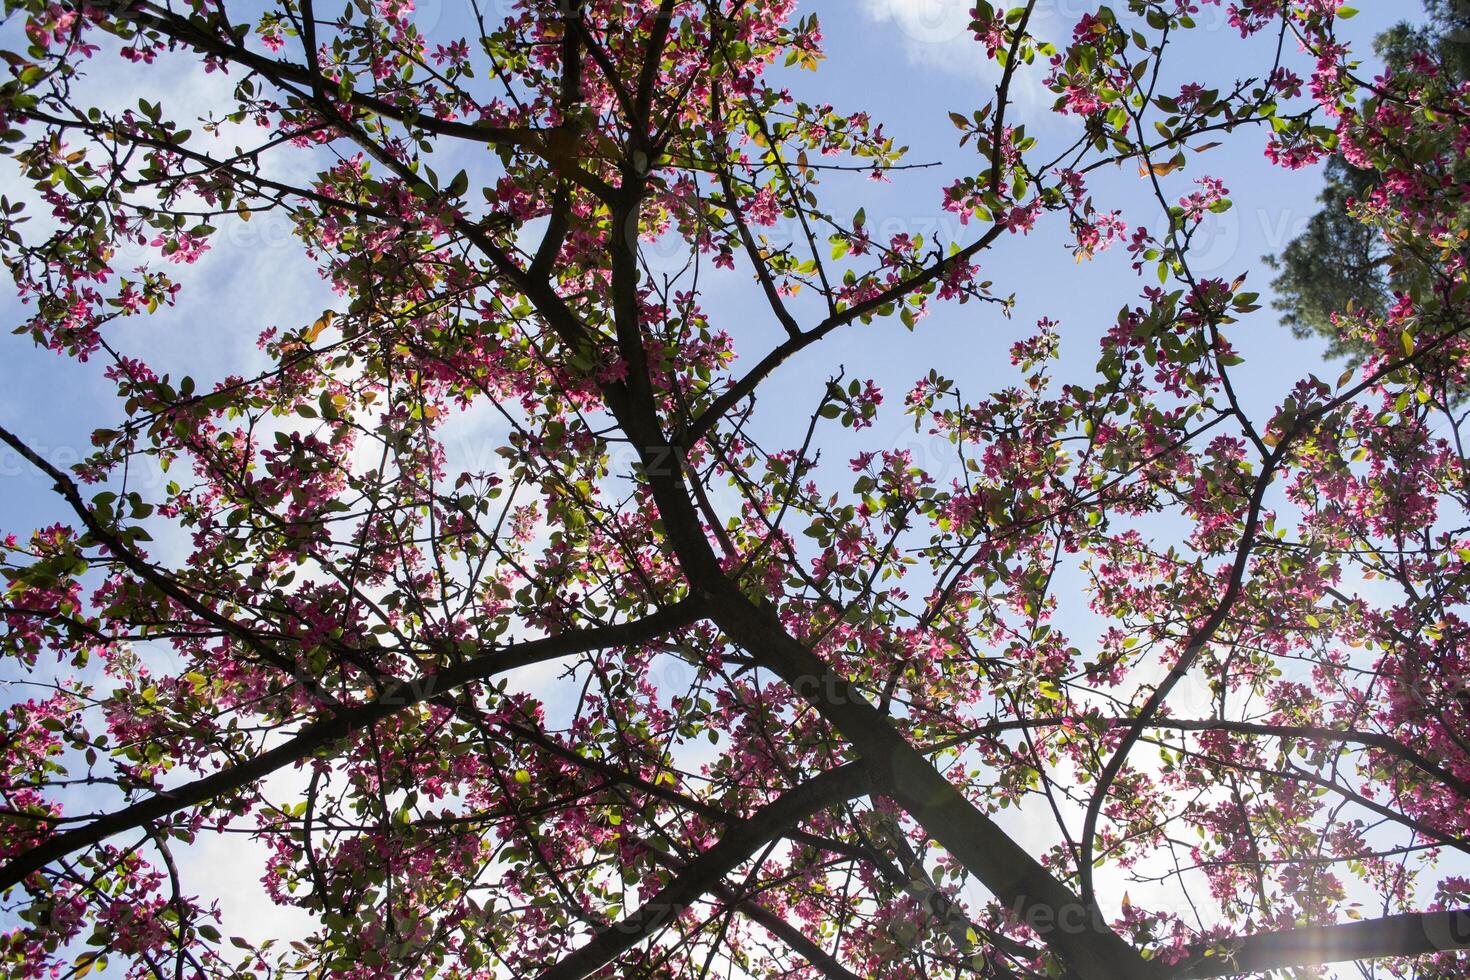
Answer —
935 36
933 33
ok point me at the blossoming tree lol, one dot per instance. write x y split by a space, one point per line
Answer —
793 714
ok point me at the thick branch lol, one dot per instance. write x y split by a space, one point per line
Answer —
897 769
322 734
1409 934
702 874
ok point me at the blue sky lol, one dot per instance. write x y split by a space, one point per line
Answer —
908 63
